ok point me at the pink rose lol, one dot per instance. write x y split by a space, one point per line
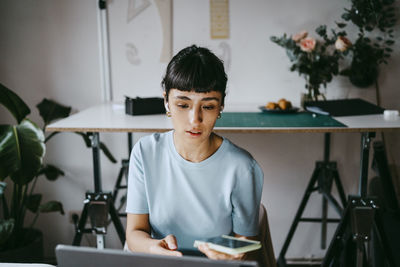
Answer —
299 36
342 43
307 44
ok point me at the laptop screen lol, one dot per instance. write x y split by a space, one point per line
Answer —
71 256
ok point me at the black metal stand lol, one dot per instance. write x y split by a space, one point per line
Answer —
97 206
348 247
325 173
123 173
359 223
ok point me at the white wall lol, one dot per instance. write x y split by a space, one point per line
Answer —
49 49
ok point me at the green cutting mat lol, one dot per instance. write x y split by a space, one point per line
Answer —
253 119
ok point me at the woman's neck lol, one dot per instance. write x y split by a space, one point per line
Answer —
198 152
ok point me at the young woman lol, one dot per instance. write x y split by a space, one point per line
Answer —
190 183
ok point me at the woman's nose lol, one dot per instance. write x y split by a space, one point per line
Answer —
195 116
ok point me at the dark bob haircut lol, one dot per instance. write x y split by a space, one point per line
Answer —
195 69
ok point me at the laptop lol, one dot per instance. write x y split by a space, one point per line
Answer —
72 256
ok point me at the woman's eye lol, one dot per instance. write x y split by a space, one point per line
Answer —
208 107
183 106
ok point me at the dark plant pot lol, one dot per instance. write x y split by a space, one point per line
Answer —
31 251
363 76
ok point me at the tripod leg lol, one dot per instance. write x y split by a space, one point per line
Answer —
307 193
339 187
118 184
81 226
333 201
324 223
360 255
336 245
117 223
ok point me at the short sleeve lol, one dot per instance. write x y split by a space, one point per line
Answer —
137 199
246 198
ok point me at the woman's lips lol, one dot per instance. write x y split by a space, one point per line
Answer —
194 133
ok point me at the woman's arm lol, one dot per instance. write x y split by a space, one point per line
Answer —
139 240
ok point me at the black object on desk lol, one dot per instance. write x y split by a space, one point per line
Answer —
144 106
344 107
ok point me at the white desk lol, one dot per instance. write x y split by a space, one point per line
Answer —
112 118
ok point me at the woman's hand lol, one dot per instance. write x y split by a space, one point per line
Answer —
216 255
166 246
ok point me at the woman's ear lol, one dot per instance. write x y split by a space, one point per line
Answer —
165 101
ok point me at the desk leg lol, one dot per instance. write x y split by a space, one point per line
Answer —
365 145
98 198
97 178
96 161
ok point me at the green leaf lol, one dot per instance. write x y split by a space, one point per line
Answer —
13 103
321 30
86 139
6 229
368 28
341 25
22 150
51 172
389 42
346 16
107 152
33 202
50 110
52 206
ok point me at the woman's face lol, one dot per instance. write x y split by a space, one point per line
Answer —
193 114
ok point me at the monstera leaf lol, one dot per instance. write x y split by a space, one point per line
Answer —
21 151
33 202
51 172
50 110
52 206
13 103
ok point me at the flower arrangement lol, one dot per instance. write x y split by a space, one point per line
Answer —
316 60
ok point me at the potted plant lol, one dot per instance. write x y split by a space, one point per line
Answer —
316 60
22 151
375 20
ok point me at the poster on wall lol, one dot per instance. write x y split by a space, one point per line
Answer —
165 11
219 19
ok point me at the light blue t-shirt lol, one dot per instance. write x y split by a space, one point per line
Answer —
219 195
